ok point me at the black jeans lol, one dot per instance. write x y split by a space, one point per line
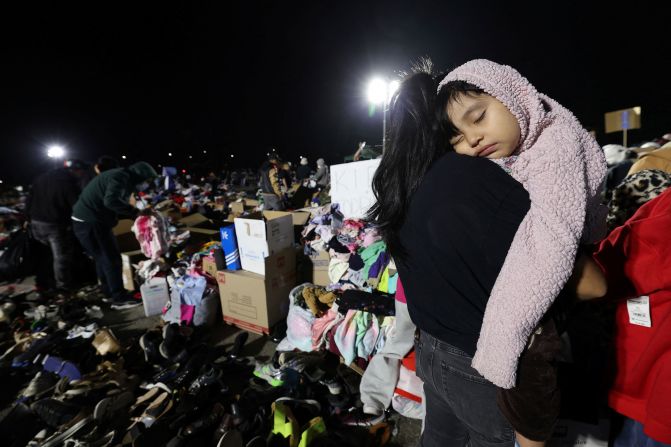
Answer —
99 243
461 405
57 263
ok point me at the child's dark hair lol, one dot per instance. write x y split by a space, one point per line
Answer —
416 139
451 92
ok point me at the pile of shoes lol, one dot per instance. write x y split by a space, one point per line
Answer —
68 380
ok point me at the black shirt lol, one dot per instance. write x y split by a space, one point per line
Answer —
460 225
52 197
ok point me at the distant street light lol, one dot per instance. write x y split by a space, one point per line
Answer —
204 152
380 91
232 156
169 154
190 157
123 157
55 151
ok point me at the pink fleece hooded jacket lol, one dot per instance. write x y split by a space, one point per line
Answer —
563 168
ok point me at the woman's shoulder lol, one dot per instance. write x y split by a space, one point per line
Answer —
459 171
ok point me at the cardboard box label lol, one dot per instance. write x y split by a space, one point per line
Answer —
242 310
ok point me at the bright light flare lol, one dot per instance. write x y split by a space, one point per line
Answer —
55 151
377 90
380 91
393 86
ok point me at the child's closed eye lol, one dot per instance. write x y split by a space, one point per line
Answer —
481 117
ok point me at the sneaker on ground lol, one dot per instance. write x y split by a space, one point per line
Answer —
55 412
333 385
356 417
43 382
268 372
149 342
125 303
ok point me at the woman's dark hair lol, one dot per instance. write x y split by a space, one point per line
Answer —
451 92
415 141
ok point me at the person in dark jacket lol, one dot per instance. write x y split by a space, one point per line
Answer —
303 171
270 184
104 163
96 213
322 176
49 208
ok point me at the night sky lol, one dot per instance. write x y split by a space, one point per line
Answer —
141 80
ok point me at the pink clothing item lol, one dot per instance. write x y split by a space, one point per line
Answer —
152 234
321 327
370 236
563 168
400 293
187 313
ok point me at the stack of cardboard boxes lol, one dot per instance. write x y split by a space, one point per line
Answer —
256 298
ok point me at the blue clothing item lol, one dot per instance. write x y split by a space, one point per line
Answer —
379 265
461 405
632 436
393 284
191 289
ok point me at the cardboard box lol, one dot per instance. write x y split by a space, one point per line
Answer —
210 266
199 221
254 302
128 271
155 295
125 237
320 269
237 207
194 220
202 235
169 210
299 219
260 235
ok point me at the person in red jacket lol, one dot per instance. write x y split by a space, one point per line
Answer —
636 260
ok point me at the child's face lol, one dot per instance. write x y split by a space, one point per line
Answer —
486 127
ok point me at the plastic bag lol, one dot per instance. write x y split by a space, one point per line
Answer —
18 260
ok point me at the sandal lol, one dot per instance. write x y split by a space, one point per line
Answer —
145 398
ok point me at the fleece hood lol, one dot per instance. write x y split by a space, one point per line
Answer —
141 171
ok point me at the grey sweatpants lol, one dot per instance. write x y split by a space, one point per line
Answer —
380 378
